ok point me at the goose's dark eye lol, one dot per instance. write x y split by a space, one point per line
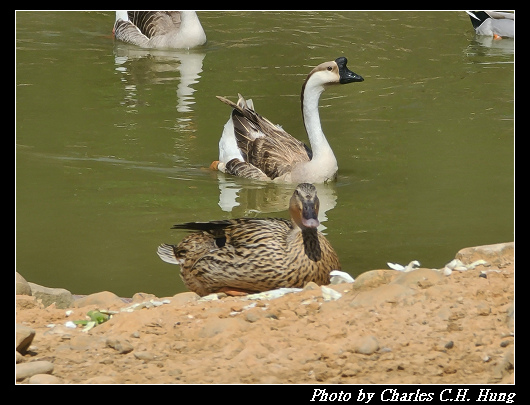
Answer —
330 68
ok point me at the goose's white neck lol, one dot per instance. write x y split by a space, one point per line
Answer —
322 152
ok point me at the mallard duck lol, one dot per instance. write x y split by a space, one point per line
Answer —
247 255
493 23
159 29
253 147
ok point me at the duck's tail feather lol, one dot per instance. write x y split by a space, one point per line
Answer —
167 253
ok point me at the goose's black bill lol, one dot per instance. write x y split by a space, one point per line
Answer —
346 75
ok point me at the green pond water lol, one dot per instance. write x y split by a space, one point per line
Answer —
113 142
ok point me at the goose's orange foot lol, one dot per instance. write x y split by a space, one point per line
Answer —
214 165
233 291
495 36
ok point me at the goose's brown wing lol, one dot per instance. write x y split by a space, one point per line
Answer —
263 144
152 23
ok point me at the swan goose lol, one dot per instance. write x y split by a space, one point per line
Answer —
493 23
159 29
246 255
253 147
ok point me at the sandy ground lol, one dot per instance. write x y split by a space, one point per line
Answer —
387 327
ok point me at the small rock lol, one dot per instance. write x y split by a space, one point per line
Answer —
499 254
61 297
374 278
24 302
454 325
446 271
421 277
122 346
366 345
141 297
44 379
176 372
483 309
26 370
443 346
311 286
22 286
104 299
505 343
183 298
253 315
145 356
23 337
503 367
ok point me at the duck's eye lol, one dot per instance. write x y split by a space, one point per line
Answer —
330 68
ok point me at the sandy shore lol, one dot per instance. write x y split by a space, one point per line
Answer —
422 326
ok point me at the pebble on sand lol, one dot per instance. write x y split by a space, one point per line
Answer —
29 369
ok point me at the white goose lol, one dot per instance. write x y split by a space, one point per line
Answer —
253 147
159 29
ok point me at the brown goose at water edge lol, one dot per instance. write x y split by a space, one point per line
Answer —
248 255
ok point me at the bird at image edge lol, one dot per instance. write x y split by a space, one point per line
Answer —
498 24
159 29
248 255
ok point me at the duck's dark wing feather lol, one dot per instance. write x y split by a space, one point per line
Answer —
239 223
204 226
239 232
